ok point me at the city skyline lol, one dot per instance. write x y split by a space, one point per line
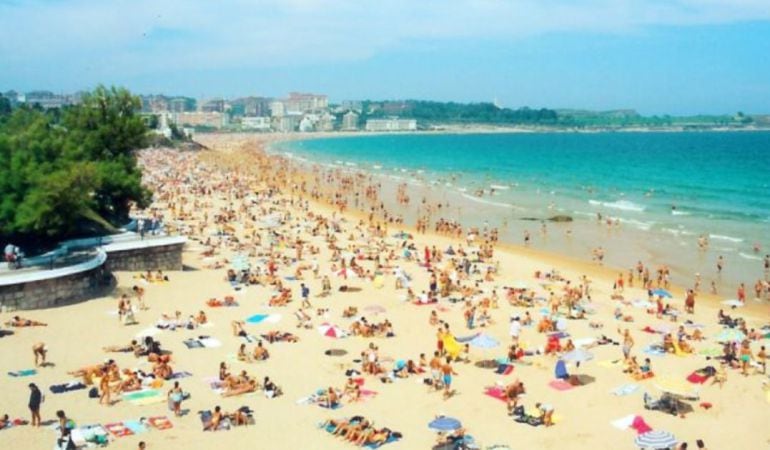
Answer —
679 57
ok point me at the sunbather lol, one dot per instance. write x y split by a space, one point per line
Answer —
19 322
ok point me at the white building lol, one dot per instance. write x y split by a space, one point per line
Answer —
391 125
255 123
350 121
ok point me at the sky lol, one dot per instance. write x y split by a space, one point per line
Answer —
655 56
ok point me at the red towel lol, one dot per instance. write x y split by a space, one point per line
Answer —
647 329
495 392
640 425
696 378
560 385
508 369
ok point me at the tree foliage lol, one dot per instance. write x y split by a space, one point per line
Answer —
63 173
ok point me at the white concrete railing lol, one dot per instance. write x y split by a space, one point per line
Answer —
11 278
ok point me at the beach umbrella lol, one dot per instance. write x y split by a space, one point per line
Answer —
483 340
332 331
662 293
519 284
578 355
730 335
675 386
733 303
655 439
445 423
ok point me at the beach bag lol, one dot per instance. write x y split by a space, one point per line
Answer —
93 393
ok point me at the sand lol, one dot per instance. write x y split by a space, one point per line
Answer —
76 334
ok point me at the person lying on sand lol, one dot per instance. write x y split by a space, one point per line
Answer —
241 387
19 322
280 336
133 347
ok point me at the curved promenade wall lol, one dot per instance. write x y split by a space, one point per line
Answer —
82 281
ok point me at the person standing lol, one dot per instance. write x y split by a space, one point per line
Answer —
305 296
35 400
175 397
39 350
515 329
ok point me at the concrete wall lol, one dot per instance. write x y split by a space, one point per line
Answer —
36 289
150 254
45 289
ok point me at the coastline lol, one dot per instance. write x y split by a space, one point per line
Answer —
578 265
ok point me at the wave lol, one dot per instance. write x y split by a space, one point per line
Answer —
720 237
644 226
376 167
675 212
624 205
499 187
752 257
489 202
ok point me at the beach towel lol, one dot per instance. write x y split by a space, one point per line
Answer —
135 426
193 343
67 387
23 373
495 392
504 369
118 429
257 318
144 397
160 423
654 350
325 405
179 375
559 335
250 338
640 425
82 436
388 441
210 342
626 389
624 423
560 385
696 378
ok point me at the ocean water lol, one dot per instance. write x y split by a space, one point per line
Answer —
666 189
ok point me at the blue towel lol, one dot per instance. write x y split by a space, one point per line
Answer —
257 318
23 373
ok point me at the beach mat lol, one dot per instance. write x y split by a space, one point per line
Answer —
144 397
560 385
67 387
118 429
495 392
626 389
23 373
179 375
160 423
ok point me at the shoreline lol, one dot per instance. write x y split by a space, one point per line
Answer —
580 265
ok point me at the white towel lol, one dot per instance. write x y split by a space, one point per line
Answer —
624 422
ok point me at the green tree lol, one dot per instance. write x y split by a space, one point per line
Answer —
66 172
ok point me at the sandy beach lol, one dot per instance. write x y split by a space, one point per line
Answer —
242 208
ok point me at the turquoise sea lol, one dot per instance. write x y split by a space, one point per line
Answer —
666 189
